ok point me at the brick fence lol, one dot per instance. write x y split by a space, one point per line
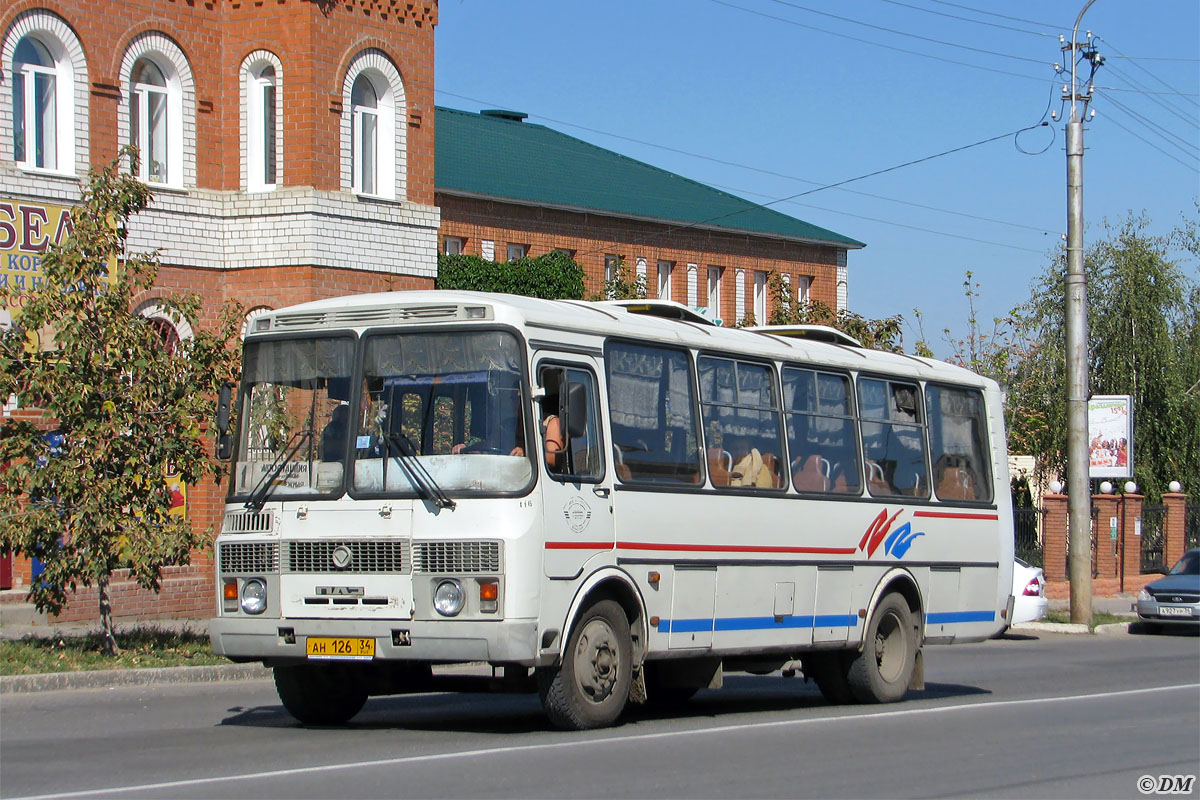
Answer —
1117 553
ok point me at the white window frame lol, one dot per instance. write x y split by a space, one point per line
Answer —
70 95
714 290
803 289
389 153
760 297
516 250
262 136
453 245
179 165
665 268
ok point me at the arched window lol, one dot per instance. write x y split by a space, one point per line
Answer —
35 107
148 116
262 132
364 137
373 138
45 98
159 107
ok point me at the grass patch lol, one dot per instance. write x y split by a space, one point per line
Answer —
140 647
1098 618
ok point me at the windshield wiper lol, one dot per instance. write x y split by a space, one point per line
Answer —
417 474
266 484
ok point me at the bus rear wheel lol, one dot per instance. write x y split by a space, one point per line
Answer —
830 672
882 671
319 694
590 687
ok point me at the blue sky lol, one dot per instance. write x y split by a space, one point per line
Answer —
791 98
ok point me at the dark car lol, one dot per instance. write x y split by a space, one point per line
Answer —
1174 599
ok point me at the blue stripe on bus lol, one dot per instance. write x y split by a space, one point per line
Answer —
756 623
822 621
947 617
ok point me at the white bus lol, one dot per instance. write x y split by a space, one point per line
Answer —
608 502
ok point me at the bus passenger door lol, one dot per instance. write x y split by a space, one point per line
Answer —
576 490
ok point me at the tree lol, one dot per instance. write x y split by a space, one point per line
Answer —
877 334
83 486
1144 335
552 275
625 284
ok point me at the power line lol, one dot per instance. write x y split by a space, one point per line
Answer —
905 33
1191 120
894 224
876 44
1150 143
1157 130
751 168
1148 72
999 16
757 206
968 19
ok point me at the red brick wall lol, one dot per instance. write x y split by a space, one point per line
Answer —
593 236
315 48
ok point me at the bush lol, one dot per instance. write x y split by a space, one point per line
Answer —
553 276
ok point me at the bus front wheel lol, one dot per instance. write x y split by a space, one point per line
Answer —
319 694
590 687
882 671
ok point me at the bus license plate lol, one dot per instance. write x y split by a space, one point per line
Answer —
1174 611
332 647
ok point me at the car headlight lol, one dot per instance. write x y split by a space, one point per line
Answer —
1145 595
448 598
254 596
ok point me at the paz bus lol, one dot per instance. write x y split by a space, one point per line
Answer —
606 502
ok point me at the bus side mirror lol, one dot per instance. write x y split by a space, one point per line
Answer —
224 439
577 410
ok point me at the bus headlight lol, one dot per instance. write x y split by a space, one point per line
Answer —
448 598
254 596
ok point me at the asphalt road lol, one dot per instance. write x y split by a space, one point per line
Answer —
1045 716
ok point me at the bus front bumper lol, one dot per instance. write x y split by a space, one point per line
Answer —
279 641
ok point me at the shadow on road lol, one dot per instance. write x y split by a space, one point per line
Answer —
522 713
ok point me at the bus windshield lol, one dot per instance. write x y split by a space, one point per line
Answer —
295 395
446 406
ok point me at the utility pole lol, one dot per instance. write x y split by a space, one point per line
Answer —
1079 502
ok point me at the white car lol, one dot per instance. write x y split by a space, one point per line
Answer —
1029 587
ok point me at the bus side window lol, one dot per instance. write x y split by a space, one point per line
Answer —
569 424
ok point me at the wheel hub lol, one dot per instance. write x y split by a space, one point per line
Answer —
597 661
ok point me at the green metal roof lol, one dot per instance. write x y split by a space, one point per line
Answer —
495 154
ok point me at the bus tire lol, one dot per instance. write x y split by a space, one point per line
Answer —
590 687
319 694
882 671
830 672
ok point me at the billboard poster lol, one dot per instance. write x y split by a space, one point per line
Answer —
27 229
1110 436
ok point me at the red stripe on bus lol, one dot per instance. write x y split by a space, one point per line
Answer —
579 545
951 515
733 548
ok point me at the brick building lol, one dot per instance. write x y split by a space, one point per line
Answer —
291 148
508 188
289 144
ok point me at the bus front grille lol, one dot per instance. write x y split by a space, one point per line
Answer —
248 557
444 557
349 556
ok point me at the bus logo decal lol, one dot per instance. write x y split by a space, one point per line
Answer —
578 514
877 532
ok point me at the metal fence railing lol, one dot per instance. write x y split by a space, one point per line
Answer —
1191 526
1154 524
1027 523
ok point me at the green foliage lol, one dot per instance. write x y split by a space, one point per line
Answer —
125 406
142 647
553 276
1144 341
625 284
877 334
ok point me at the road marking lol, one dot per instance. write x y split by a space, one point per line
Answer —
618 739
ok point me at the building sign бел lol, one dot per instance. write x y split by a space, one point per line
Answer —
27 229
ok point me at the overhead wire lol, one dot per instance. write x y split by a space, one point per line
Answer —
1148 72
918 36
968 19
1172 109
1149 143
787 21
1159 131
999 16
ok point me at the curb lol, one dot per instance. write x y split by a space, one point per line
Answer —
101 679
